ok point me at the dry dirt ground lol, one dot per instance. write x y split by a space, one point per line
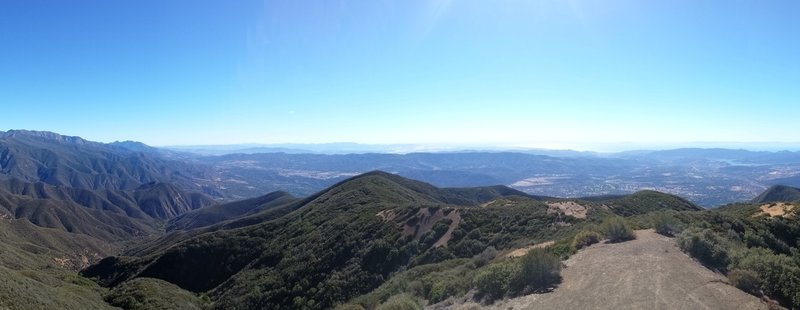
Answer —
775 209
647 273
522 251
570 208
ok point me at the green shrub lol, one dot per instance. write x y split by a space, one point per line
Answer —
434 255
349 307
467 247
705 245
753 240
585 238
440 290
149 293
666 225
562 248
539 270
400 302
746 280
779 275
616 230
484 257
493 281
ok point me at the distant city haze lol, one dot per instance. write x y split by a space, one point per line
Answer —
350 147
584 75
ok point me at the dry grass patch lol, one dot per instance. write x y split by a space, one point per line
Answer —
522 251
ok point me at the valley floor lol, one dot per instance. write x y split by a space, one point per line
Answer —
650 272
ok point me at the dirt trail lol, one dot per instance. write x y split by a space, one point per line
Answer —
522 251
455 220
647 273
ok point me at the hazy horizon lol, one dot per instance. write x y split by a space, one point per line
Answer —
554 74
599 148
351 146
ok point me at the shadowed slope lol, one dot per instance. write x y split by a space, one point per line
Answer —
779 193
220 213
106 214
166 201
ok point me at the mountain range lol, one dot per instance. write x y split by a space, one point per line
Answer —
708 177
36 156
89 225
346 240
708 181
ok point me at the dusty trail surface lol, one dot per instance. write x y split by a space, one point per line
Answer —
647 273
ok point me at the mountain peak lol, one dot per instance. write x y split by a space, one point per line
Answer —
379 173
44 135
383 187
778 193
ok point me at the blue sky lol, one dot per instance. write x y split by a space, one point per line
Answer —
565 73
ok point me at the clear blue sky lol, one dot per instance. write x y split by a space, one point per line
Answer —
540 73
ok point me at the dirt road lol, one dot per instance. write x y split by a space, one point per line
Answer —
647 273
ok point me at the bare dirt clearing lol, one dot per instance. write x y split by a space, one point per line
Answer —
647 273
570 208
775 209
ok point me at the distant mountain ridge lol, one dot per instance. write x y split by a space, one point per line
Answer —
37 156
135 146
779 193
44 135
708 177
